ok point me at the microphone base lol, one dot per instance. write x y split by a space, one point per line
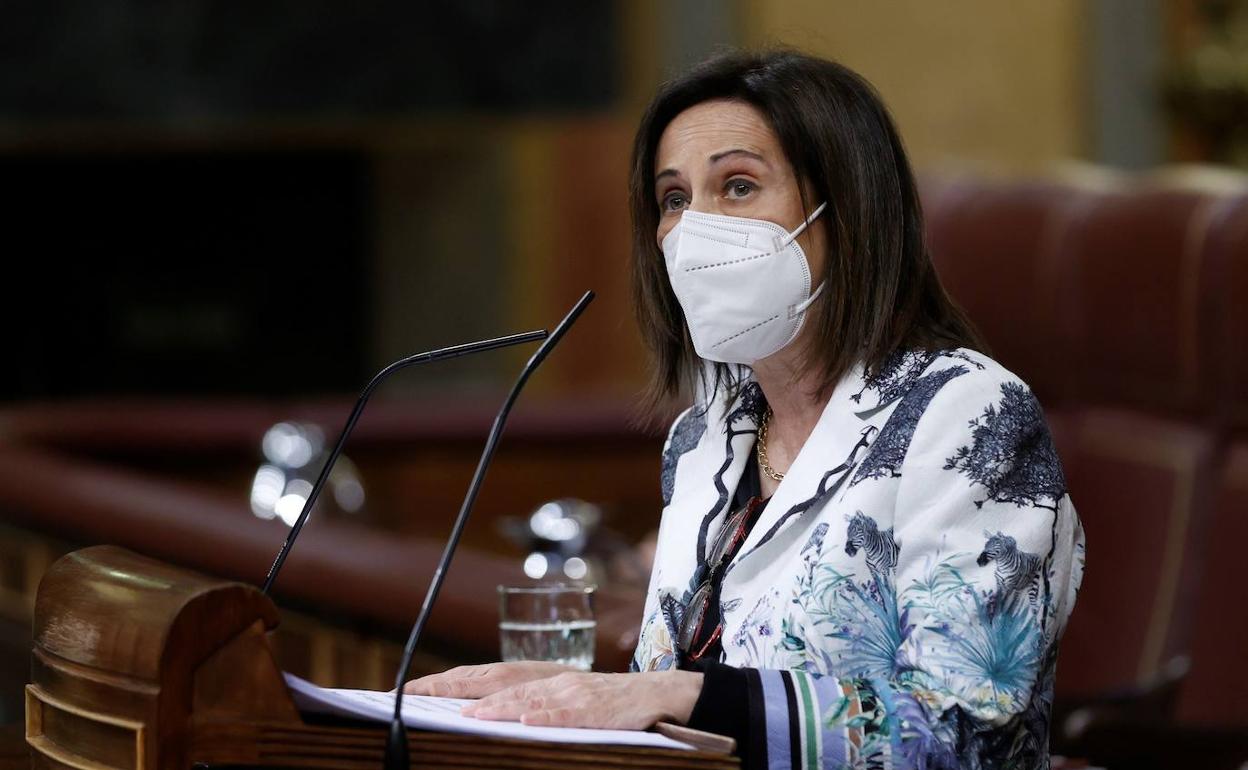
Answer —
397 757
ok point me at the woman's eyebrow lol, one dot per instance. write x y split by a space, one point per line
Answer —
715 159
729 153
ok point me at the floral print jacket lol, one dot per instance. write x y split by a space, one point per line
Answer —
900 600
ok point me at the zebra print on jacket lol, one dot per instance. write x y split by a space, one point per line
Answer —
880 547
1016 570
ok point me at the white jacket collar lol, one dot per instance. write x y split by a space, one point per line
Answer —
710 472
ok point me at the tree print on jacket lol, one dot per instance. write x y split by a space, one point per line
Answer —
1011 453
896 376
685 436
744 419
890 447
901 371
1012 456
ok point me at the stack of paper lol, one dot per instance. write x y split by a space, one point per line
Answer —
424 712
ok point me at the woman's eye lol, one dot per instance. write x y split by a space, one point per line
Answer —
739 188
674 202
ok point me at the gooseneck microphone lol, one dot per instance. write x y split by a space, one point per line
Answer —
441 354
396 744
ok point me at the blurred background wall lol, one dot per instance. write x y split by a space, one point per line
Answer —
221 219
283 197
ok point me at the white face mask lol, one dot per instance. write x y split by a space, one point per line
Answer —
744 284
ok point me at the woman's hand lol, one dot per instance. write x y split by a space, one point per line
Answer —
612 701
483 680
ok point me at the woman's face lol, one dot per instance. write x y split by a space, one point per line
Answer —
721 157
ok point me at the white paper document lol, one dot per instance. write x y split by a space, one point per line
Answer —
425 712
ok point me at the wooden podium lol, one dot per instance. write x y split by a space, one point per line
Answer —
139 664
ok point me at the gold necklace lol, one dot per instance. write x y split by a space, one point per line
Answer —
761 448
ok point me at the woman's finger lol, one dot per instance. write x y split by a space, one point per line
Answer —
482 680
556 717
458 682
508 704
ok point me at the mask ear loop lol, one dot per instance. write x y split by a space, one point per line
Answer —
784 242
800 307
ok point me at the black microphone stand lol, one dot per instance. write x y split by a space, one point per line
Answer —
397 757
420 358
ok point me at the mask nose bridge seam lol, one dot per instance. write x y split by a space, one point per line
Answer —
713 236
732 223
729 262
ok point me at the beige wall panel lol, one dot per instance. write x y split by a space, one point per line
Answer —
995 86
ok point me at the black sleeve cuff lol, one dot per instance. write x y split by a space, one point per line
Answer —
723 706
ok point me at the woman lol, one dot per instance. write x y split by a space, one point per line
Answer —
867 553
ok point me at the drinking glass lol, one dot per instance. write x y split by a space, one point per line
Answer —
548 622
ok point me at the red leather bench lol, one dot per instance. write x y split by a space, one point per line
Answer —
1126 309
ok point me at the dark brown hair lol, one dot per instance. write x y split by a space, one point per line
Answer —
882 293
